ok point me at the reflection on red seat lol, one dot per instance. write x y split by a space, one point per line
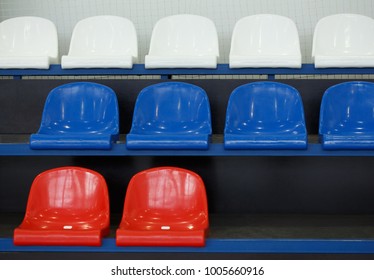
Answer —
164 206
66 206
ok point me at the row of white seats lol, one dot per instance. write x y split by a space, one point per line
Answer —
187 41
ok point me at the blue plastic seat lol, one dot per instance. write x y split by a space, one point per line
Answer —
346 116
78 115
265 115
171 115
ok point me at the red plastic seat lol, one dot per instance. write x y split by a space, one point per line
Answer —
66 206
164 206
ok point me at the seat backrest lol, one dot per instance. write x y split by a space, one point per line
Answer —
168 191
28 36
104 35
347 106
73 189
80 107
172 107
265 34
265 103
184 35
344 34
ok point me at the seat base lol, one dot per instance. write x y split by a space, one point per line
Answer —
76 141
347 142
24 62
102 61
182 61
265 61
57 237
276 142
195 238
169 142
325 61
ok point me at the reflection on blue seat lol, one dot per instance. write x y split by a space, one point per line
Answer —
171 115
265 115
346 116
78 115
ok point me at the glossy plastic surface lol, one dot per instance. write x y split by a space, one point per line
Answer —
78 115
171 115
346 116
164 206
183 41
28 42
66 206
265 41
344 40
102 42
265 115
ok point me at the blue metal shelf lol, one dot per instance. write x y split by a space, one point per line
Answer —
222 69
214 150
278 246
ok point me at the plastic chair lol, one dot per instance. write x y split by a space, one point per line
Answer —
265 115
102 42
78 115
28 42
183 41
66 206
344 40
265 41
171 115
164 206
346 116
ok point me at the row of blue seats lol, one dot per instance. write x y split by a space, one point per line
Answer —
176 115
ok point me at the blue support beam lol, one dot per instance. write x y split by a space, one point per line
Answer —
253 246
216 149
222 69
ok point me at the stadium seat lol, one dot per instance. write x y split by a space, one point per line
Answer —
265 41
265 115
66 206
28 42
79 115
183 41
171 115
164 206
346 116
102 42
344 40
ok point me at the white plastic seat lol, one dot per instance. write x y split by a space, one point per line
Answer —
183 41
28 42
344 40
265 41
102 42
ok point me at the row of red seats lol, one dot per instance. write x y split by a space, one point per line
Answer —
164 206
